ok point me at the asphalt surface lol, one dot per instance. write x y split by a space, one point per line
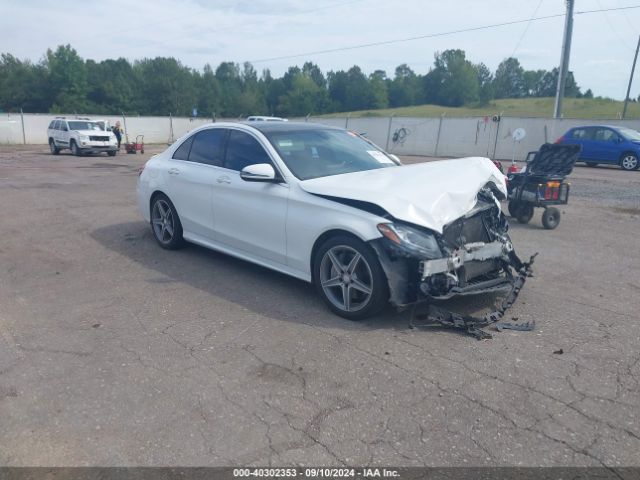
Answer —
115 352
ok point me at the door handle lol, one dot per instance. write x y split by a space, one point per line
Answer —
224 179
174 171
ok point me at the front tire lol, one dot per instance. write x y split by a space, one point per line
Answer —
165 223
592 164
52 146
112 153
74 149
629 161
349 278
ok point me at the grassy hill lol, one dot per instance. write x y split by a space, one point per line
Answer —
596 108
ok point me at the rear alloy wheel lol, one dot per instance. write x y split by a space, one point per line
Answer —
629 162
349 278
524 212
165 223
74 149
52 146
550 218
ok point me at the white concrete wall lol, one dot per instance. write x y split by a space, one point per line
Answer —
436 136
470 136
154 129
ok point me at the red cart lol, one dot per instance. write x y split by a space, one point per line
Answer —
133 147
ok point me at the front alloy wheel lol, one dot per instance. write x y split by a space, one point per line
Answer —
166 225
629 162
350 279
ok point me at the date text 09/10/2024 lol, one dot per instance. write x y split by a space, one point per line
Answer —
318 472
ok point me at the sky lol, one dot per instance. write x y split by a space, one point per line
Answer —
198 32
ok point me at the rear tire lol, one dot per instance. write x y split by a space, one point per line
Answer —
524 213
629 161
52 146
550 218
165 223
592 164
348 276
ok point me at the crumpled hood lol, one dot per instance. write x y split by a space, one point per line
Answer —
428 194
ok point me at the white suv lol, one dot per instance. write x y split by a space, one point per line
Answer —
80 136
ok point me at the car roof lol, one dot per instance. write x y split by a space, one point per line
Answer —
268 127
599 126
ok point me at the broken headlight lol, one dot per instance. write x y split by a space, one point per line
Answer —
412 240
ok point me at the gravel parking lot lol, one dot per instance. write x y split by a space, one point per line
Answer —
115 352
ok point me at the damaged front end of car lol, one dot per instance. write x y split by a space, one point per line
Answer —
473 255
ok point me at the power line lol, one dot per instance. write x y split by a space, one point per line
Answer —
433 35
526 29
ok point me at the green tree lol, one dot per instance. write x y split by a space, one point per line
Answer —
453 81
166 86
379 89
485 83
532 82
404 89
549 84
23 85
112 86
509 80
209 94
67 80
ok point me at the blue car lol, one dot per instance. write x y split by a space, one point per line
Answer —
606 144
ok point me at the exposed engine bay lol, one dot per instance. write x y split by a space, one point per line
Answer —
472 255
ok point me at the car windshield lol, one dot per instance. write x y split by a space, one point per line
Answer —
630 134
322 152
84 126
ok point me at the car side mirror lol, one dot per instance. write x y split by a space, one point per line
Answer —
261 172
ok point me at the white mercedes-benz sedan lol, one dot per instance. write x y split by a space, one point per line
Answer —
327 206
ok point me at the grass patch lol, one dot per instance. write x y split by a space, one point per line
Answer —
587 108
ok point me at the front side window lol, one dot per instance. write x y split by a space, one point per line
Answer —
81 125
243 150
208 147
319 152
605 135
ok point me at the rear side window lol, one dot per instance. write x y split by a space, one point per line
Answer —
579 134
56 125
243 150
52 124
182 153
208 147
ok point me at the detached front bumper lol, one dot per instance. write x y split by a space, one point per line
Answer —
472 269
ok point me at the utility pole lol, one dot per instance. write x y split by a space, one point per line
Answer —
633 68
564 59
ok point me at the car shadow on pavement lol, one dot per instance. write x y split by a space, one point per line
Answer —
253 287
